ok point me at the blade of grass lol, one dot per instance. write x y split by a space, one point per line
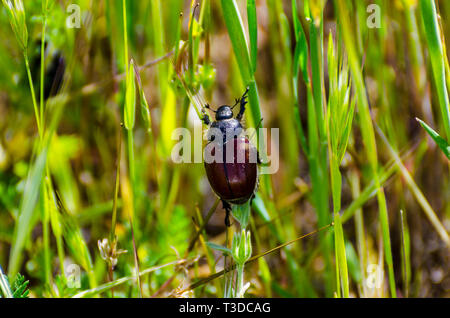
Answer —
112 236
24 223
202 227
423 202
129 119
235 28
4 285
280 44
339 122
368 134
341 258
442 144
299 63
44 25
105 287
432 34
360 231
318 155
253 258
75 241
405 258
30 197
253 32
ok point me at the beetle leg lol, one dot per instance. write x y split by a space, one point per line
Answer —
251 199
205 118
227 208
258 158
242 101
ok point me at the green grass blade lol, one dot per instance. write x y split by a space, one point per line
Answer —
24 224
235 28
432 34
130 98
368 134
223 249
299 64
253 31
318 155
105 287
423 202
341 257
405 253
443 145
369 192
4 285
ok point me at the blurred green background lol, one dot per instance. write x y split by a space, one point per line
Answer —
346 109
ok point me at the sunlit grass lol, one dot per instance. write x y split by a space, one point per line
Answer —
88 182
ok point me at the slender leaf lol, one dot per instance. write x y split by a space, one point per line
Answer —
443 145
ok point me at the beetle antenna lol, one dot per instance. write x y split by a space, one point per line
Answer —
237 100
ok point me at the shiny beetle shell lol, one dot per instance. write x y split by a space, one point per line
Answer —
234 181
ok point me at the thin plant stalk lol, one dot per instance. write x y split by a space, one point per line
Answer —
368 134
339 122
359 227
423 202
404 255
33 95
129 113
46 186
227 269
44 25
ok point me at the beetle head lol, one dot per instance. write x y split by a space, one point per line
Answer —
224 112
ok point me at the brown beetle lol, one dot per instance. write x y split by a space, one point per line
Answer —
234 179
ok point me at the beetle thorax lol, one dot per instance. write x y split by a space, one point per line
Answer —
228 128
